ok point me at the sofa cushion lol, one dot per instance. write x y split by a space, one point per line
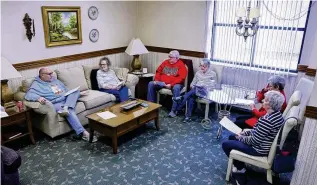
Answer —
87 71
73 77
26 83
122 74
96 98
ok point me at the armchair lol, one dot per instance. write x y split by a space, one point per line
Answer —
190 75
265 162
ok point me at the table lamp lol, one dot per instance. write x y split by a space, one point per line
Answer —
136 48
7 72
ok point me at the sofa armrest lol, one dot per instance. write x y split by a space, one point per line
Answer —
47 108
19 96
132 80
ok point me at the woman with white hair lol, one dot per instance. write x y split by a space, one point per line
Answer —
109 82
202 77
275 83
258 141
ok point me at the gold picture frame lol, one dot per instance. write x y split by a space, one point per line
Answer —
62 25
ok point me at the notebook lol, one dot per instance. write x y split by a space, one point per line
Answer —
71 91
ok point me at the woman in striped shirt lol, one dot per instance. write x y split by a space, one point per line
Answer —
257 142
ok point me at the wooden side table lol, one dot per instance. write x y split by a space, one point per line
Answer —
142 86
9 126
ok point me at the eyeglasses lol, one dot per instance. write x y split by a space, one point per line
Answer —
50 74
103 64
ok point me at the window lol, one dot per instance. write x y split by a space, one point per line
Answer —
277 44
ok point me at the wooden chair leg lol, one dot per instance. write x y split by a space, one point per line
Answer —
229 169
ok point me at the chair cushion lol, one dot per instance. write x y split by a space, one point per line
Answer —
87 71
96 98
169 92
73 77
254 160
294 100
218 70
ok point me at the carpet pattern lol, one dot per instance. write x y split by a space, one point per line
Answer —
179 153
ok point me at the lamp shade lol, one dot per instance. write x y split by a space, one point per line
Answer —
136 47
7 70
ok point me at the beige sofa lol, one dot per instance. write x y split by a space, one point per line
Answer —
47 120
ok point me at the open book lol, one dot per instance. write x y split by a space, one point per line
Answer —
71 91
229 125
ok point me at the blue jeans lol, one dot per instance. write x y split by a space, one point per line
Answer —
121 95
190 96
72 118
152 88
234 144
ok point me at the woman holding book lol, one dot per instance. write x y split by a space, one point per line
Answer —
202 77
108 81
258 141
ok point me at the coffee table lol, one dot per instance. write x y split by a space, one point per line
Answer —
124 122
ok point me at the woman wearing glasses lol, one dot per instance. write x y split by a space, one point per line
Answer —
109 82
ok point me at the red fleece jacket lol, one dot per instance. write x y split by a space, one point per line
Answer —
171 73
261 112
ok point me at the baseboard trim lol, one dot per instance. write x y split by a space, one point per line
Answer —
68 58
189 53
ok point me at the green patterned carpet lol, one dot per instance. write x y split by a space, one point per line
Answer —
180 153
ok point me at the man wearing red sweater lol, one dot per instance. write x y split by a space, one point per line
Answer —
170 74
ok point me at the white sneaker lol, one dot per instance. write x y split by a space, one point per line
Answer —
235 170
86 138
63 112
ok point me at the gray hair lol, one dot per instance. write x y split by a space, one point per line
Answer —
275 99
206 62
277 82
105 59
174 54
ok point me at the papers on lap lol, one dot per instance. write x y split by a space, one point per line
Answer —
71 91
106 115
229 125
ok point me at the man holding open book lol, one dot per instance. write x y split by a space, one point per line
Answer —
47 89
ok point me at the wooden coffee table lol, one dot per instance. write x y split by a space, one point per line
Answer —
124 122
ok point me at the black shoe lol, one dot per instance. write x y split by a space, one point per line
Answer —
77 137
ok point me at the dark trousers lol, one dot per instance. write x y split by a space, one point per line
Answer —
234 144
121 95
240 121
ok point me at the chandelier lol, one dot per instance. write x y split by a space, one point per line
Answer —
245 25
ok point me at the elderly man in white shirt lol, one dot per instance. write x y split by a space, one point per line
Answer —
108 81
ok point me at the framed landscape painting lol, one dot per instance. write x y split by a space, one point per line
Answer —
62 25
